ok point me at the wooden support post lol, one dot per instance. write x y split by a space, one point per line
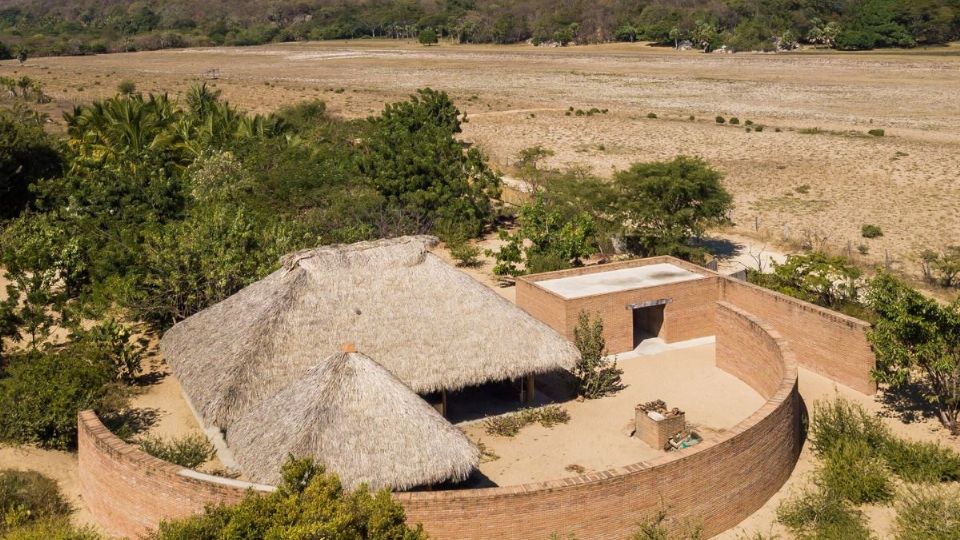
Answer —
443 403
529 389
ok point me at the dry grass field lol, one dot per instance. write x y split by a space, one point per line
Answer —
819 177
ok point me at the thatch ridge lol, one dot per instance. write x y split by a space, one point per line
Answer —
430 325
361 422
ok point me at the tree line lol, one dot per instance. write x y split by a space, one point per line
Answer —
48 27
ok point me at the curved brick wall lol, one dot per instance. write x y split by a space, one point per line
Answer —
716 483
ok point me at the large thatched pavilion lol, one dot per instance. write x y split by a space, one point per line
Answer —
430 326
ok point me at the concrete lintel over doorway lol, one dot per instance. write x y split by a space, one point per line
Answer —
650 303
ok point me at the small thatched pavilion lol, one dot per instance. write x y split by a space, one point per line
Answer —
360 421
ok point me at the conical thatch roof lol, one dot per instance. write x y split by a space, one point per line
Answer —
352 415
430 325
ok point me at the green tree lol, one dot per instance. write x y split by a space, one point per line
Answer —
596 375
917 342
427 37
414 161
308 503
661 206
27 154
545 240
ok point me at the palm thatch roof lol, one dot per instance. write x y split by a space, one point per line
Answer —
352 415
430 325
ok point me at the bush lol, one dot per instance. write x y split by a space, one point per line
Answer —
721 120
929 514
427 37
819 514
189 451
27 154
126 87
596 376
53 529
916 461
651 115
27 497
877 132
465 253
734 121
842 421
852 470
758 128
308 503
42 393
870 231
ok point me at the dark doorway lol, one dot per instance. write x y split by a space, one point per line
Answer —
647 322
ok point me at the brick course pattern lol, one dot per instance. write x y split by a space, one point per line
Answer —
716 483
826 342
129 491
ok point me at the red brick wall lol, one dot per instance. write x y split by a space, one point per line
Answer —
129 491
826 342
716 483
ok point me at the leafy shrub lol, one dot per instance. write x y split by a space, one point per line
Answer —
27 154
758 128
721 120
927 513
852 470
596 376
42 393
863 249
465 253
126 87
734 121
427 37
189 451
877 132
870 231
748 123
112 344
842 421
651 115
53 529
821 515
27 497
308 503
916 461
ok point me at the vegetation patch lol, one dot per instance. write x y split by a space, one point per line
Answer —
189 451
508 425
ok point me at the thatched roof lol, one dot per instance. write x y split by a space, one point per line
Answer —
352 415
430 325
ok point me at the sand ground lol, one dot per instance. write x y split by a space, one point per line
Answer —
798 185
598 436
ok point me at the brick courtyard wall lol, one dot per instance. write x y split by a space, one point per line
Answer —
129 491
688 315
826 342
716 483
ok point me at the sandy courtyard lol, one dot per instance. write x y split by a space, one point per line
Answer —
598 434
